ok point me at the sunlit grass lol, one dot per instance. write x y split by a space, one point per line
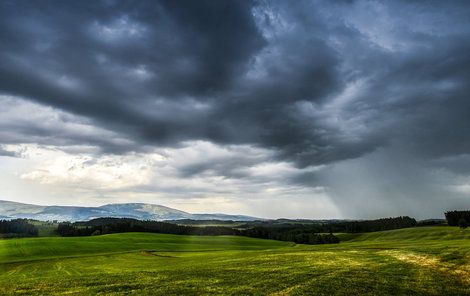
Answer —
418 261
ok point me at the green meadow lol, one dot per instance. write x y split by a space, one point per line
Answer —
414 261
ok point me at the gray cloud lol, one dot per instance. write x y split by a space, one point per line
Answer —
315 83
164 72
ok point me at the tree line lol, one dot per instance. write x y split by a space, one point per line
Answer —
305 232
458 218
118 225
17 228
298 231
321 232
335 225
300 235
374 225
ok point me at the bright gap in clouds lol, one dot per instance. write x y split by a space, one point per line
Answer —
174 177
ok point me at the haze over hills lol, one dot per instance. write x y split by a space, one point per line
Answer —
142 211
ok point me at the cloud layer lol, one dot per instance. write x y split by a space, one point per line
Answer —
307 97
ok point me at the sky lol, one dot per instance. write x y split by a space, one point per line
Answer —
296 109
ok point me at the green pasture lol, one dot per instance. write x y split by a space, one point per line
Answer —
415 261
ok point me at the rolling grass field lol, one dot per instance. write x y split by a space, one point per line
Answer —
414 261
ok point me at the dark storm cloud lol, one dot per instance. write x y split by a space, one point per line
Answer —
113 63
268 74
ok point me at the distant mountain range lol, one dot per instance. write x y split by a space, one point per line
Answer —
142 211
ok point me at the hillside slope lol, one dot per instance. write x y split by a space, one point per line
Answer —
413 261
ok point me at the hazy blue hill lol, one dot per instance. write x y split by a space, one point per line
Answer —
11 210
146 211
19 210
71 213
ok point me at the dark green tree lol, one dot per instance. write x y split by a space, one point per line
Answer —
463 223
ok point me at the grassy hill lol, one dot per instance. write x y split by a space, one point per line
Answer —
417 234
14 250
414 261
